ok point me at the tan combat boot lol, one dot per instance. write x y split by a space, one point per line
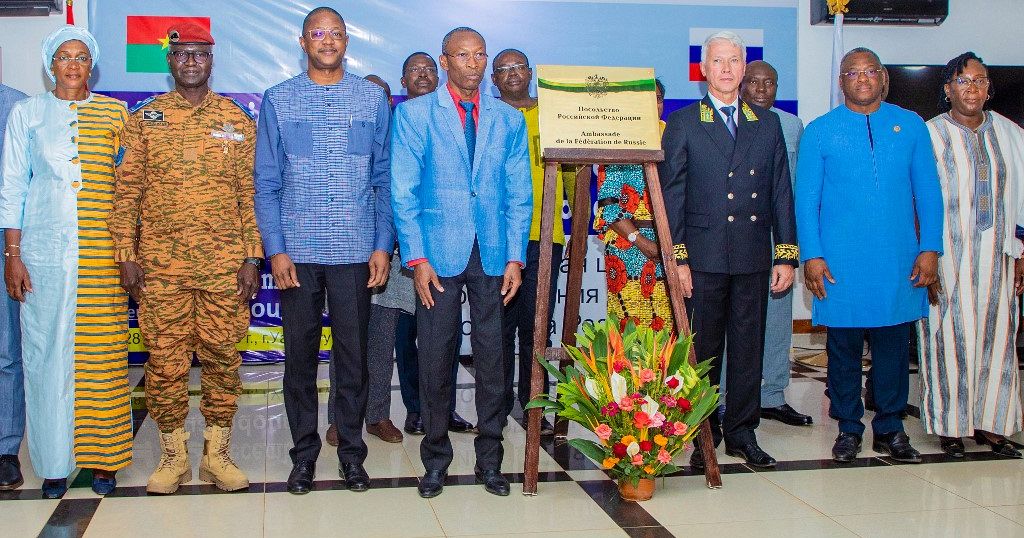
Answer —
174 468
217 466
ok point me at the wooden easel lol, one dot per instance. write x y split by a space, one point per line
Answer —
553 158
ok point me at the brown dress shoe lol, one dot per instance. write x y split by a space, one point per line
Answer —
332 435
386 430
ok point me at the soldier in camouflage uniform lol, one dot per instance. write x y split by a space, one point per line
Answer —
188 249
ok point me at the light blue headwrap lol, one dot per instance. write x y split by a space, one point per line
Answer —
62 35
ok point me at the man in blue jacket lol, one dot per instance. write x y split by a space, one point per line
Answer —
462 198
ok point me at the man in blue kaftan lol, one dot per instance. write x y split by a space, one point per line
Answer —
866 172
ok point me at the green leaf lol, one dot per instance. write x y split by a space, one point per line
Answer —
543 403
669 468
590 449
551 368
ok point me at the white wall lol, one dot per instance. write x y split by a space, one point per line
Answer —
20 40
989 27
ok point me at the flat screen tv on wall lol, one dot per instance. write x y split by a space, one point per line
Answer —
917 87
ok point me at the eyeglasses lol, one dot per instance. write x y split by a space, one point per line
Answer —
505 69
979 82
425 69
200 56
870 73
318 34
63 61
463 57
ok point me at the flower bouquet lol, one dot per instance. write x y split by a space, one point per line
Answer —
640 396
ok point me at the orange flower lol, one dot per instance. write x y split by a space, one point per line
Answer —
627 440
660 440
649 469
608 463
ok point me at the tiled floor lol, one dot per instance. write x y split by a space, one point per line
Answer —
806 496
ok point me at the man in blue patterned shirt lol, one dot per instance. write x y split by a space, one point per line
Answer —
12 384
323 205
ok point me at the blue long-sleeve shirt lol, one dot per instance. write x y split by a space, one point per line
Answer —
862 181
8 96
323 191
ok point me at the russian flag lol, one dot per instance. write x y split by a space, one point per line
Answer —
753 38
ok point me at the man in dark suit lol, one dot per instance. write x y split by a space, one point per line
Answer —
727 190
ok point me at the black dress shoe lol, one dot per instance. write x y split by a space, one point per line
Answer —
787 415
458 424
897 446
952 446
546 428
414 424
494 482
1000 447
300 480
432 484
10 472
355 476
752 454
846 448
54 488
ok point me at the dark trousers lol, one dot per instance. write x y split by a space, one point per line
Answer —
348 299
409 364
438 329
890 378
732 308
520 315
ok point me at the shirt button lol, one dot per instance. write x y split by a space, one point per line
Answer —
473 194
753 218
753 195
731 218
751 172
730 174
76 184
731 196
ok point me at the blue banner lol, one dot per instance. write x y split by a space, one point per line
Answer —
257 47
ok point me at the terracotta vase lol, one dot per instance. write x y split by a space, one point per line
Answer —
643 491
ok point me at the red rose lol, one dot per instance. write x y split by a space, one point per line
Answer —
618 366
646 446
641 420
615 273
648 277
619 450
685 405
672 382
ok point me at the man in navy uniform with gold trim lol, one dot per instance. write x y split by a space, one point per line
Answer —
727 190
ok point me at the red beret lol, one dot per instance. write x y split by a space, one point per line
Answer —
189 32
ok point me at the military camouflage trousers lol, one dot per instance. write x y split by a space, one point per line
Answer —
177 322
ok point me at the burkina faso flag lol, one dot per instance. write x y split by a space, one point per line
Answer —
148 41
